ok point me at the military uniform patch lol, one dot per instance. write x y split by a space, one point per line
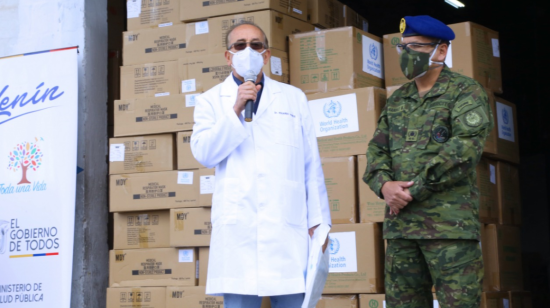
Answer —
412 135
473 119
440 134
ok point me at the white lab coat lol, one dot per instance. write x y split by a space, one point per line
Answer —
269 191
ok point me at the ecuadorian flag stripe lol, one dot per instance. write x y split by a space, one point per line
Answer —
36 255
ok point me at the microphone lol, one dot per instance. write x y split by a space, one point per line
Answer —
250 76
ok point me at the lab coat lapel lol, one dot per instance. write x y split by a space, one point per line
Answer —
228 94
270 92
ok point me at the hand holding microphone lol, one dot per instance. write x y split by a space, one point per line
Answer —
246 96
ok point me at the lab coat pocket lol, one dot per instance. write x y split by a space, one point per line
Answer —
293 203
225 206
287 130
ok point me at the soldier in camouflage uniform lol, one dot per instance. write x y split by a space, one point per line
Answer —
422 161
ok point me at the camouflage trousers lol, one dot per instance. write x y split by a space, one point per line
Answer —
454 267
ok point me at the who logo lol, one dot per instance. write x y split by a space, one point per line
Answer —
505 117
334 245
24 157
332 109
373 52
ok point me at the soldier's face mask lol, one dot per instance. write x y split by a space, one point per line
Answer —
415 64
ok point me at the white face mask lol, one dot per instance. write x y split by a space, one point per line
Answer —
247 60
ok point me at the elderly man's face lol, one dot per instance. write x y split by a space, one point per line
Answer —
246 33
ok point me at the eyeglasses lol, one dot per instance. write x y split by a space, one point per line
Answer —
256 45
412 46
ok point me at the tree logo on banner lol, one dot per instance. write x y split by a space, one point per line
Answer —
24 157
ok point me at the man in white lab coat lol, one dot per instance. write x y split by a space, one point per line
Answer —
270 190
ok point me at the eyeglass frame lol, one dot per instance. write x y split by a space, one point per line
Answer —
247 44
407 49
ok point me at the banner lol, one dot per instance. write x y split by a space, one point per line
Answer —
38 144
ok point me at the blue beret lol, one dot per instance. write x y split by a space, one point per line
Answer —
425 25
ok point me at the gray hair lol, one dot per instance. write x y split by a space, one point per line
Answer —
241 23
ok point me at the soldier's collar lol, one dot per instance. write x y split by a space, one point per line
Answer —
442 83
409 89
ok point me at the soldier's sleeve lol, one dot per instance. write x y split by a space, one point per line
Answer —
379 162
471 123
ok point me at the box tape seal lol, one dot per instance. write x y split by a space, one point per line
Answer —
320 50
134 299
143 233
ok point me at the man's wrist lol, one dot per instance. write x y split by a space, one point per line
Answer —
381 188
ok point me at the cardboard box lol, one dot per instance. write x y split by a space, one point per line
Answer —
353 19
150 80
186 160
341 188
372 300
204 254
502 143
277 27
152 14
143 297
508 194
154 115
156 267
335 59
346 120
154 191
520 299
487 181
207 184
490 148
486 253
356 259
191 297
493 299
149 229
190 227
371 208
142 154
326 14
503 258
200 9
164 43
278 66
474 53
338 301
204 71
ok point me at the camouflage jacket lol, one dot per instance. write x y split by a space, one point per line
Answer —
435 141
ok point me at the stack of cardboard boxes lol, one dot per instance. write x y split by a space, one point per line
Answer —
341 71
475 53
160 195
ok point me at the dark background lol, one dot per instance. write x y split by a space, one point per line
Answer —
523 27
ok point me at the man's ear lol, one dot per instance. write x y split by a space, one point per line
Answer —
228 57
444 49
267 55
